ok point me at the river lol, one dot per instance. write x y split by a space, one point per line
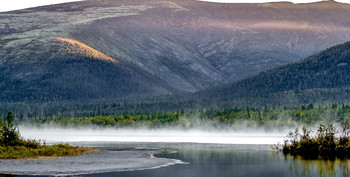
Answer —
205 158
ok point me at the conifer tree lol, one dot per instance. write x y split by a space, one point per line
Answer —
9 135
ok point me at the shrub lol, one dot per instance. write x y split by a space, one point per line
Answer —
325 144
9 135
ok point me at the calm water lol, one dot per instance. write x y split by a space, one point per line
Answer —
212 160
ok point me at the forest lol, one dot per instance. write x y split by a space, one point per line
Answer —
278 117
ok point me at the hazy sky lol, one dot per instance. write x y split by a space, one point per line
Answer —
7 5
262 1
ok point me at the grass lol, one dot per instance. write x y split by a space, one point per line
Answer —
56 150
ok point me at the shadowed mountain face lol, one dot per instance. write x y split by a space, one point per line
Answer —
124 48
321 78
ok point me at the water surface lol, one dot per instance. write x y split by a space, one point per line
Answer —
207 154
210 160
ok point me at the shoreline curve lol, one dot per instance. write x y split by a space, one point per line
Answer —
99 162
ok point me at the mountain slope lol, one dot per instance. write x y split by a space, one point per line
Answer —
327 72
77 72
161 46
76 47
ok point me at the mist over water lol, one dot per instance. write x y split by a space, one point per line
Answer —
70 135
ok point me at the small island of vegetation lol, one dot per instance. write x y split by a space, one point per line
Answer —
13 146
329 142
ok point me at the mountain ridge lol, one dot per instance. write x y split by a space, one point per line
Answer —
165 47
326 72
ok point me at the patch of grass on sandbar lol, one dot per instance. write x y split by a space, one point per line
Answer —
12 146
56 150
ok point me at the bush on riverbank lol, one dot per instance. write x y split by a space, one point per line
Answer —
328 142
12 146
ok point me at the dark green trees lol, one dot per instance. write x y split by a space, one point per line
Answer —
9 135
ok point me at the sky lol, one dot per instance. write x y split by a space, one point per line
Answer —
263 1
8 5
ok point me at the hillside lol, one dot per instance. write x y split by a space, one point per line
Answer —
161 47
322 77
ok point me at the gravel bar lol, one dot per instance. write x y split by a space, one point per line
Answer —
104 161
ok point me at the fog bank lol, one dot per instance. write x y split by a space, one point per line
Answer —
70 135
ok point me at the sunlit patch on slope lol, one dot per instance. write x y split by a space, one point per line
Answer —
79 48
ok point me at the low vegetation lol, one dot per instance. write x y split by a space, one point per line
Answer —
12 146
328 142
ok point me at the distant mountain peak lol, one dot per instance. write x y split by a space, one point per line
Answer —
78 48
165 46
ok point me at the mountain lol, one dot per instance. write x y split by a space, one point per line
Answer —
124 49
323 77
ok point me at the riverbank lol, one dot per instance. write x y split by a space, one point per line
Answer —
14 146
99 162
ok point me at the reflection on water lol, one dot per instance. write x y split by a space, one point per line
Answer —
7 175
211 160
331 168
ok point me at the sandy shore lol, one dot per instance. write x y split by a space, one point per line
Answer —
104 161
